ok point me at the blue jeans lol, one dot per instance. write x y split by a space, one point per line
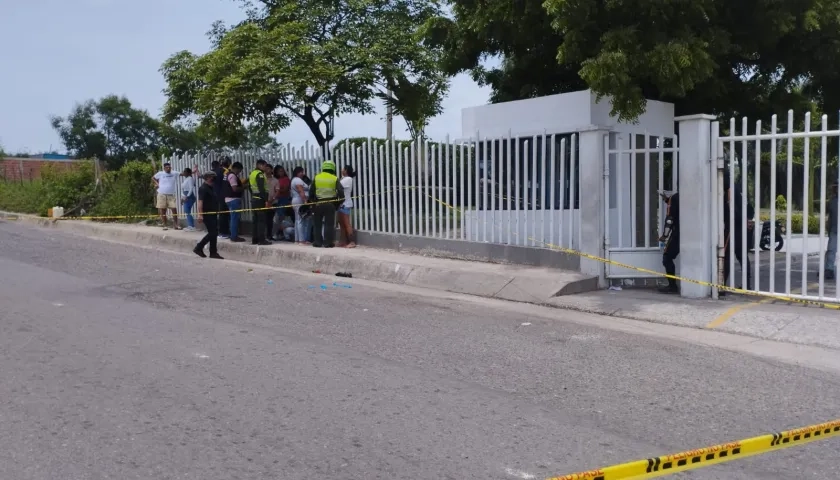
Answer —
302 226
232 205
831 252
188 206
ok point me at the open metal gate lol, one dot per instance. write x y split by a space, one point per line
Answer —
637 168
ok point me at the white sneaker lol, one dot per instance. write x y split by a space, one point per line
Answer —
189 229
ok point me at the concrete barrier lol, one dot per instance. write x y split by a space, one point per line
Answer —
507 282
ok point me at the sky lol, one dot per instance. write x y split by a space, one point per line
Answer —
57 53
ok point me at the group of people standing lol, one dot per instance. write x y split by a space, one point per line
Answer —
284 208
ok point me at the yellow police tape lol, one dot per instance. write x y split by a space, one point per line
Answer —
704 457
751 293
725 288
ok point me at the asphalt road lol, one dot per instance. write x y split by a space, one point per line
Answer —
125 363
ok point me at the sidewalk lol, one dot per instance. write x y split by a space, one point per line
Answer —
550 287
504 282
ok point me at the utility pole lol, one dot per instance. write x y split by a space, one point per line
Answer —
389 118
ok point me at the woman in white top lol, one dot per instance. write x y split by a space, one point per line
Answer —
188 196
300 195
347 236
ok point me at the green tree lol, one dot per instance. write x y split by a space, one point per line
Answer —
311 60
110 129
750 57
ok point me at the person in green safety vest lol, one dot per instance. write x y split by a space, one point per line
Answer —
258 185
325 194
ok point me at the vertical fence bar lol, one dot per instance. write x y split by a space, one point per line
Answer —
534 163
377 188
410 173
389 184
513 226
806 181
773 174
435 180
741 226
490 172
757 205
574 225
660 147
364 153
481 182
520 179
461 187
564 224
395 186
543 190
730 190
402 194
469 179
426 206
526 195
647 212
789 197
414 172
552 192
508 187
634 190
823 186
620 200
446 211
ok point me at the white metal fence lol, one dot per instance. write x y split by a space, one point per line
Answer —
514 190
638 166
783 174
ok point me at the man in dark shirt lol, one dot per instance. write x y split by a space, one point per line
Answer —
735 236
207 205
671 238
219 168
831 251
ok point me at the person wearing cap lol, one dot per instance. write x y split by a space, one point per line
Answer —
326 191
207 214
670 240
831 251
258 185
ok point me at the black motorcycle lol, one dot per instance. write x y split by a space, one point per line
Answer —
764 242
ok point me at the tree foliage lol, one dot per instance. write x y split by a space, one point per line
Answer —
311 60
112 130
109 129
752 57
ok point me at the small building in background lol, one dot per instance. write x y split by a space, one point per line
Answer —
18 169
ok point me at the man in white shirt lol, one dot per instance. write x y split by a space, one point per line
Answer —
166 182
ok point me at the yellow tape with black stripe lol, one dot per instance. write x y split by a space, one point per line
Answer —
725 288
241 210
751 293
706 456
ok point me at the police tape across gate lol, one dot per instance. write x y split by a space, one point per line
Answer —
707 456
750 293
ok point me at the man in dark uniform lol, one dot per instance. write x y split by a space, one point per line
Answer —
220 169
734 237
671 240
207 205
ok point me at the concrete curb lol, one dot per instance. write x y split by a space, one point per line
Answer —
505 282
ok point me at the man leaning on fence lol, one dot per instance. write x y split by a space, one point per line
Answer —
325 193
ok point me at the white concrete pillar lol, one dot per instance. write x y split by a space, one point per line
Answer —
591 161
696 203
